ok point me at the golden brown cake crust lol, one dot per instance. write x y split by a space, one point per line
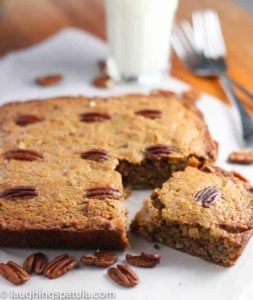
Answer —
60 161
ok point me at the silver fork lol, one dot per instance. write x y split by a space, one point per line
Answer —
209 41
203 51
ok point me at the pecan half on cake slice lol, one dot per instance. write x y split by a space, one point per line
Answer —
207 213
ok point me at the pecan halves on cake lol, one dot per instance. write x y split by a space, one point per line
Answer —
143 260
101 258
95 154
123 275
13 273
159 92
36 263
208 196
24 120
160 151
234 228
103 193
90 117
23 154
149 113
59 266
19 192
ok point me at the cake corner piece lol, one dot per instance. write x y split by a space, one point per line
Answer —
206 213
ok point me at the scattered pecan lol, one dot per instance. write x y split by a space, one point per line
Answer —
143 260
102 64
127 192
36 263
103 193
191 95
22 154
165 93
149 113
103 81
48 80
13 273
123 275
59 266
24 120
95 154
100 259
208 196
233 228
94 117
157 246
19 192
244 157
160 151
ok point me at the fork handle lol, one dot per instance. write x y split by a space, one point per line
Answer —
240 87
246 120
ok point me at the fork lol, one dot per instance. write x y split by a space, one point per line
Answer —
203 51
208 40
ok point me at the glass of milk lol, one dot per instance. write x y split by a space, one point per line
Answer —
139 34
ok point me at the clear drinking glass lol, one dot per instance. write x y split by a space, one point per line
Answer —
139 34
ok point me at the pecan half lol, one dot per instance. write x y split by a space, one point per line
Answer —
160 151
123 275
239 176
103 193
36 263
233 228
103 81
214 169
157 246
22 154
191 95
149 113
24 120
166 93
94 117
208 196
19 192
95 154
13 273
100 259
244 157
143 260
59 266
48 80
102 64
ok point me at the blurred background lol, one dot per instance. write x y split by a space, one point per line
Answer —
26 22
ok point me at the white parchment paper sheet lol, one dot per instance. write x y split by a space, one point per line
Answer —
74 54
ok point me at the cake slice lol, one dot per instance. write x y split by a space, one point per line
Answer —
207 213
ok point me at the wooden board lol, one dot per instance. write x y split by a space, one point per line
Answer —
23 23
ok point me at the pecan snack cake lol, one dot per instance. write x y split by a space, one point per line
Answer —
207 213
64 162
